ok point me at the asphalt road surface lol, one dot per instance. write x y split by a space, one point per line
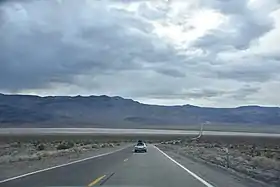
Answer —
125 168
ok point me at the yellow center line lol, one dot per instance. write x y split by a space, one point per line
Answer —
96 181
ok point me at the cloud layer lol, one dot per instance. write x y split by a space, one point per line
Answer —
211 53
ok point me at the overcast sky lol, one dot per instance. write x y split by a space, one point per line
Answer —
220 53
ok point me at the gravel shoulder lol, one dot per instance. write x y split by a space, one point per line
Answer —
254 160
213 174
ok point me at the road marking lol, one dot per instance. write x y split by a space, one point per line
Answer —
106 179
96 181
125 159
187 170
62 165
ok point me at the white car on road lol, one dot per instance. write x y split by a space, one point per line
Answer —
140 147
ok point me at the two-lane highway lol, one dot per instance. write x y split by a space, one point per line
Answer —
152 169
125 168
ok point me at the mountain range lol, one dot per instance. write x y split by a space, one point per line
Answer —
105 111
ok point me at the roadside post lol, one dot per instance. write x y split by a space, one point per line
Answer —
227 157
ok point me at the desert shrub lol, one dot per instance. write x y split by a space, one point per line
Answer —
15 144
87 142
65 145
36 143
269 154
266 163
102 145
40 147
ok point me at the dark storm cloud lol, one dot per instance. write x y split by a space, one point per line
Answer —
37 59
35 54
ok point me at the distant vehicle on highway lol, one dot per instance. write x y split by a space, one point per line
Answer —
140 147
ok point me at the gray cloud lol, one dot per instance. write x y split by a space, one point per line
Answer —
244 93
171 72
247 70
203 93
255 74
112 47
240 93
117 42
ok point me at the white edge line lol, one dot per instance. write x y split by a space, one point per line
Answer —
187 170
58 166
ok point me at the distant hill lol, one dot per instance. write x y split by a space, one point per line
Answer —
104 111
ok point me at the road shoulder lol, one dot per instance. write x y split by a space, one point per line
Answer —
13 170
217 176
